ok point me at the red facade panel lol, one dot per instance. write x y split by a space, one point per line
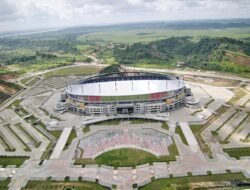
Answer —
156 96
94 98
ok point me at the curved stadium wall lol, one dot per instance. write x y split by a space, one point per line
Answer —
126 93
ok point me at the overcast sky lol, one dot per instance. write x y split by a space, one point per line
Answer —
34 14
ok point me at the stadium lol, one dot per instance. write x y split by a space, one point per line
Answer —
126 93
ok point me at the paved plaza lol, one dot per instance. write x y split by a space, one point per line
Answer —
147 139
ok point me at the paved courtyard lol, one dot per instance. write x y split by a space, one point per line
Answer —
103 140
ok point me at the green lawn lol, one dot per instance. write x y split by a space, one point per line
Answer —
17 102
182 182
4 184
180 133
86 129
61 185
109 122
12 160
196 128
126 157
56 133
79 71
148 35
165 126
238 152
141 121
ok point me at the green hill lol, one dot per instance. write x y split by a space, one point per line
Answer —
219 54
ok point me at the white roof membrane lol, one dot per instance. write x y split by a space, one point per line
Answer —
125 88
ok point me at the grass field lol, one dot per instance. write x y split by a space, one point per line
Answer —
165 126
238 152
109 122
12 160
180 133
127 157
17 102
86 129
142 121
56 133
183 182
147 35
4 184
61 185
79 71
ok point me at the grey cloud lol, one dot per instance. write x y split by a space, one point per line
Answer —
6 7
7 11
34 12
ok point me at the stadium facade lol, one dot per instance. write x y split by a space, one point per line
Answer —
126 93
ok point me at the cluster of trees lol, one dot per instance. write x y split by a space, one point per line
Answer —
207 53
8 59
114 68
54 45
29 51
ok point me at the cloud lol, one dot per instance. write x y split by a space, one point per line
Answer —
7 10
35 13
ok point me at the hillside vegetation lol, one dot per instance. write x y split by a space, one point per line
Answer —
114 68
39 53
160 45
219 54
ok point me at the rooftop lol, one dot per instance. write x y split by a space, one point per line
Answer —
125 87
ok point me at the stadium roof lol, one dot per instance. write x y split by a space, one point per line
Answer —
125 88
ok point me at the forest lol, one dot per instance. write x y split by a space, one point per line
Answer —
219 54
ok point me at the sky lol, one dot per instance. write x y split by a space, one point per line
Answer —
38 14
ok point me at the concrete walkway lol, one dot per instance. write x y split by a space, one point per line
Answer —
61 143
191 140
